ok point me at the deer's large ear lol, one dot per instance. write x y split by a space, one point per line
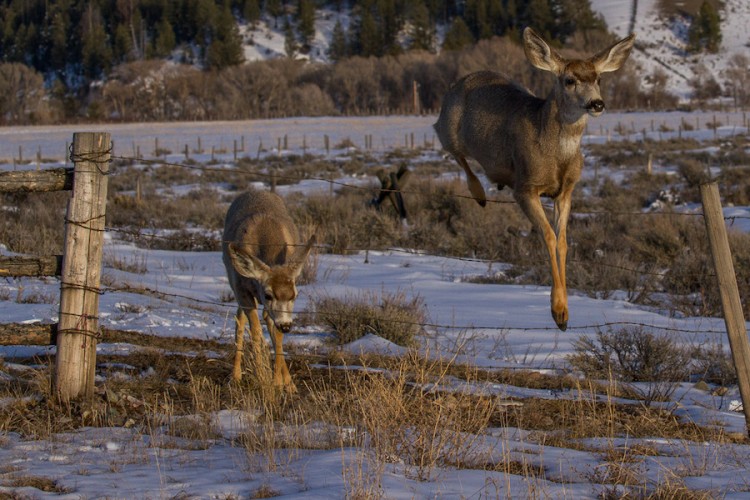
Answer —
300 256
540 54
248 265
612 58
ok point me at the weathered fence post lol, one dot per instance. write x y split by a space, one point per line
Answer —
730 295
78 328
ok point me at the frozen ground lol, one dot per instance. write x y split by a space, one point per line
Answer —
491 326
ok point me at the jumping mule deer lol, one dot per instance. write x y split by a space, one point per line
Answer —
529 144
263 262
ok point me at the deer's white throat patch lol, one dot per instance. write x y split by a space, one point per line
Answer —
569 145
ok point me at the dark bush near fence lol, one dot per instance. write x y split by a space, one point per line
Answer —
33 223
632 355
391 315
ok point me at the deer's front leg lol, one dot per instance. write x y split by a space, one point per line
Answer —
562 214
239 343
281 376
531 205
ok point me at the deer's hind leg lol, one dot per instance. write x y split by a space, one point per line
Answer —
475 187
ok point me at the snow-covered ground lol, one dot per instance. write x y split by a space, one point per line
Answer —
490 326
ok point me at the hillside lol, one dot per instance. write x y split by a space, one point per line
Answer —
662 38
160 69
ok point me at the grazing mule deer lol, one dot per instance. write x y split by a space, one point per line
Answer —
263 261
529 144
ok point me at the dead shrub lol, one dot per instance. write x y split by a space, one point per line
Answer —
390 315
35 224
735 183
693 172
44 484
714 365
632 355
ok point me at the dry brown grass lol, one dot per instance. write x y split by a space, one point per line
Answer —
441 419
390 315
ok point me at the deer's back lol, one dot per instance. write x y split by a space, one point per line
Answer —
259 223
483 114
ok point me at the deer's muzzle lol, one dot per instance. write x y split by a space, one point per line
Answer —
595 106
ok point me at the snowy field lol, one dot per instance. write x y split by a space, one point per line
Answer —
488 326
387 132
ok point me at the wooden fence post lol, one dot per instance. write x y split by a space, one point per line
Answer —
75 362
730 295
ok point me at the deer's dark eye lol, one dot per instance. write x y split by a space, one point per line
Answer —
268 296
570 81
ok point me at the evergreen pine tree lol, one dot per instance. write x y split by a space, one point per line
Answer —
422 32
538 15
458 36
511 12
225 47
306 23
705 30
338 50
389 23
58 51
122 44
477 18
96 54
291 47
251 11
165 39
497 17
711 26
275 9
369 39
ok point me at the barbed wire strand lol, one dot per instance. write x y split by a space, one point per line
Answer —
357 250
436 326
98 158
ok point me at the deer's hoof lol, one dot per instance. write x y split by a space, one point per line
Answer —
561 319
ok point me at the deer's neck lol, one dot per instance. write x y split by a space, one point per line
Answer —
563 127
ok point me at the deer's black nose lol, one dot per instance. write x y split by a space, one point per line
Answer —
285 327
597 106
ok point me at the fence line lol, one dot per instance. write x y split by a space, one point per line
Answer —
245 136
437 326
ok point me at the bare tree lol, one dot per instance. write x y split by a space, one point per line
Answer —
22 96
738 79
